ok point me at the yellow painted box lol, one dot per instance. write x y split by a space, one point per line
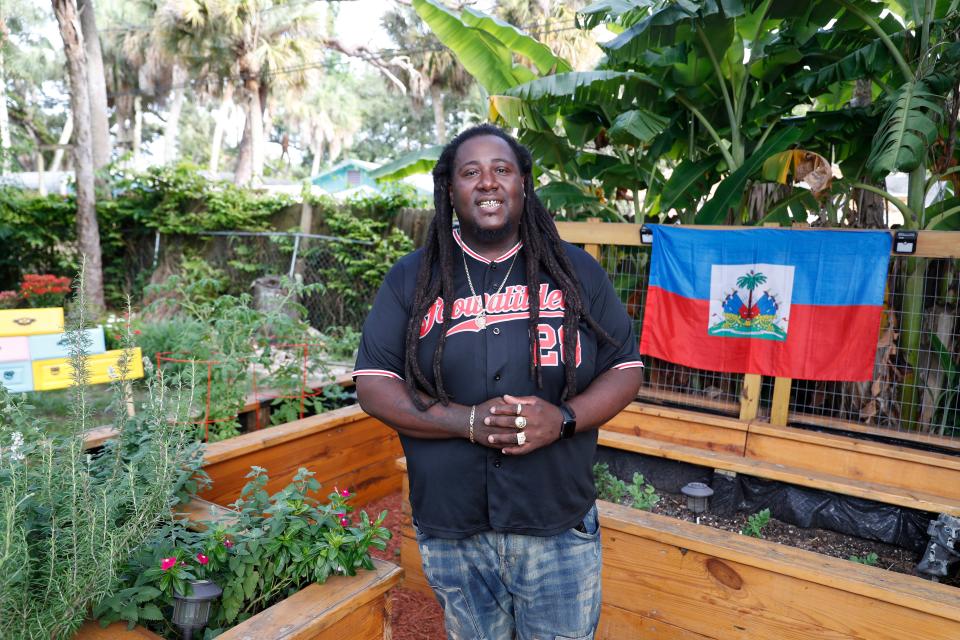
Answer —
30 322
58 373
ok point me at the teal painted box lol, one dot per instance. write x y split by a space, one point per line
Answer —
54 345
17 376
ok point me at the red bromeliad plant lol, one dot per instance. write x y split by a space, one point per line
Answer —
44 290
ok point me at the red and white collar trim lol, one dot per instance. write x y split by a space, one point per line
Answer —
476 256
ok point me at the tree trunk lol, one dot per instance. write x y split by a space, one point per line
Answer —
317 157
172 128
220 123
97 82
5 145
137 135
252 139
64 139
439 117
88 233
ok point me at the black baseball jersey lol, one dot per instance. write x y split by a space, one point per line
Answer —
457 488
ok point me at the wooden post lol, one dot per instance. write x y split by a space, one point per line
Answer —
750 396
591 248
780 405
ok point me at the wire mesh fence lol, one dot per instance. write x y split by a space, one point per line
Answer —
915 390
255 261
665 382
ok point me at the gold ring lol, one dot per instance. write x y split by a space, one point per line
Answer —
520 422
519 408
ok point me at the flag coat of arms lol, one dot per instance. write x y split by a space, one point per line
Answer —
777 302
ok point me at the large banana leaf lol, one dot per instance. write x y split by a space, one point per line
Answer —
605 89
871 61
625 13
731 190
421 161
637 127
481 54
517 113
689 182
907 129
517 41
562 195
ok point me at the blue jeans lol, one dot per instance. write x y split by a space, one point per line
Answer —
500 586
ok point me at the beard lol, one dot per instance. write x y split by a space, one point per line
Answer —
489 236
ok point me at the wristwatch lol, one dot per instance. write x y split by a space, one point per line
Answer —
569 425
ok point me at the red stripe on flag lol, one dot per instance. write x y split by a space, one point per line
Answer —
823 342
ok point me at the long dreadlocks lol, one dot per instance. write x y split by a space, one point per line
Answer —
542 251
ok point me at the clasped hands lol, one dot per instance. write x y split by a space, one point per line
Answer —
496 423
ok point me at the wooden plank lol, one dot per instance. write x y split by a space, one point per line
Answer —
930 244
369 622
592 248
780 404
649 394
621 624
905 591
688 428
413 577
349 450
117 631
834 424
319 608
913 473
750 396
803 477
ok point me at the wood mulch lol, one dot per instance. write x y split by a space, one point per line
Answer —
414 615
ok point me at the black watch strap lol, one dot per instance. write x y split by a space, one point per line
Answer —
569 426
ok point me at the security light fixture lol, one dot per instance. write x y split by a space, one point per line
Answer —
192 612
905 242
697 495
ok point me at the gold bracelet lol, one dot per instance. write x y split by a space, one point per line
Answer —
473 414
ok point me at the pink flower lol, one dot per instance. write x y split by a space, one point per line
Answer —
344 520
345 493
168 563
228 543
136 332
202 559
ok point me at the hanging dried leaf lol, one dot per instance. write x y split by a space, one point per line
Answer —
805 166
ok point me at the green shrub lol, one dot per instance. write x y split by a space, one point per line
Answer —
870 559
756 523
643 495
609 487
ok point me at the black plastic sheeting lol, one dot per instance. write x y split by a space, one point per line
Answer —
800 506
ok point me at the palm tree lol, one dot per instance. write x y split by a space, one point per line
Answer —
750 282
439 71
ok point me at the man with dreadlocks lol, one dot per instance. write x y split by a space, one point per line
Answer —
496 351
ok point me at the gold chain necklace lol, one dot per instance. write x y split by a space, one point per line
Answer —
482 316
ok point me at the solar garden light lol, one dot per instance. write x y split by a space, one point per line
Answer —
646 235
697 495
191 613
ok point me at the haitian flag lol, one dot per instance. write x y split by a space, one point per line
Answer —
778 302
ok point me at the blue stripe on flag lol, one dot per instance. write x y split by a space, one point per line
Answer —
832 267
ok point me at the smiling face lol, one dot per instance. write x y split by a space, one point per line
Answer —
487 191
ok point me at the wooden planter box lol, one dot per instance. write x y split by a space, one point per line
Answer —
667 579
346 448
356 607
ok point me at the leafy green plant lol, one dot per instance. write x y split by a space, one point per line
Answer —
869 559
69 515
609 487
756 523
274 546
643 495
341 342
332 396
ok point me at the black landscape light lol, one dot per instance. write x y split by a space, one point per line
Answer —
697 495
191 613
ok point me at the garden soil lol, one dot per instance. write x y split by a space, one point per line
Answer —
416 616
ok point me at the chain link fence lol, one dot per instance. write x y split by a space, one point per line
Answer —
258 259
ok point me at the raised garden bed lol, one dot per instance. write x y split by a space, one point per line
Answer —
667 578
354 607
345 448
